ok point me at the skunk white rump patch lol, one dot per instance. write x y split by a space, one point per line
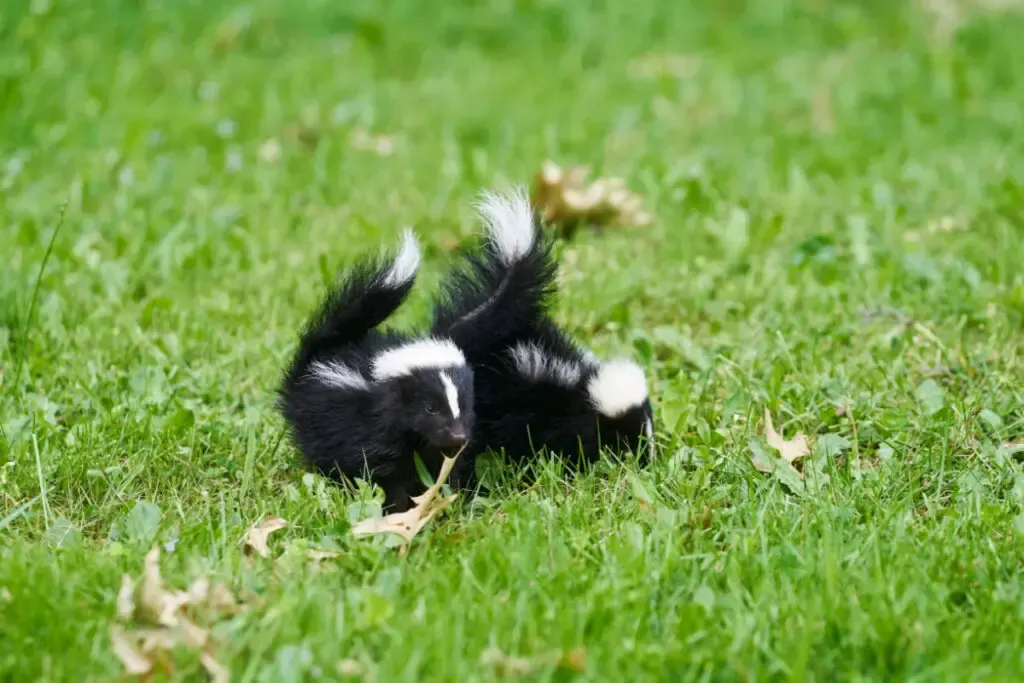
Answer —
618 387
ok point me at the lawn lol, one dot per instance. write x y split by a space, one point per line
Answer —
839 193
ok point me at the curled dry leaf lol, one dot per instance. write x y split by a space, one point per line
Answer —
140 650
409 523
575 659
563 198
350 668
133 661
156 605
505 664
218 672
789 450
364 141
126 598
320 555
256 536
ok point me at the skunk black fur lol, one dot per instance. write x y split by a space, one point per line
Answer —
361 401
535 387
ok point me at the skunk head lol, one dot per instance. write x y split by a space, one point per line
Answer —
433 387
618 392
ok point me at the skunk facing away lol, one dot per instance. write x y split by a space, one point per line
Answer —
361 401
535 387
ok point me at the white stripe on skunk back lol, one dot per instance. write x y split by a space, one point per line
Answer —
421 354
338 375
533 363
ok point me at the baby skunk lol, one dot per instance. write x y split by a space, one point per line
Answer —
535 387
360 401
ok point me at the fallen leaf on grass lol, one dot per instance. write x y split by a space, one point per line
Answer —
350 668
218 672
126 598
563 198
575 659
409 523
320 555
168 627
789 450
133 661
664 65
504 664
364 141
256 536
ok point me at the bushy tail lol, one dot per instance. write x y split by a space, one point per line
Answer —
505 291
367 295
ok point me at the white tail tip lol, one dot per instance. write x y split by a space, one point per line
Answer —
618 387
407 262
509 221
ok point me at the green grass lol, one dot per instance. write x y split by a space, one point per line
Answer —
840 195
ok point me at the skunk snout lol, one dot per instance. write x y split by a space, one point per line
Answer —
456 437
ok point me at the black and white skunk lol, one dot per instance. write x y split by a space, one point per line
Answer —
535 387
360 402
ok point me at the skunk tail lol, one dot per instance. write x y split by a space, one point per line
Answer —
363 299
504 291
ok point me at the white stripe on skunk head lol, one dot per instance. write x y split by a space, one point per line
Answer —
421 354
618 386
536 364
338 375
509 221
407 262
452 394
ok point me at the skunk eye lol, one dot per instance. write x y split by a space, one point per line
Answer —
431 410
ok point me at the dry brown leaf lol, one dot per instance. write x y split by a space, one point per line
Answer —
195 636
409 523
155 640
133 661
218 672
664 64
126 598
575 659
789 450
563 198
256 536
221 599
350 668
320 555
505 664
156 605
142 649
362 140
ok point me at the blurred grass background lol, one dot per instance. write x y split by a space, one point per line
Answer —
839 194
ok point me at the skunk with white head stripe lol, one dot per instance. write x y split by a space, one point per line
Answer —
536 389
361 401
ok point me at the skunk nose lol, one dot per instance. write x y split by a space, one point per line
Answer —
458 437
